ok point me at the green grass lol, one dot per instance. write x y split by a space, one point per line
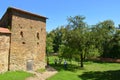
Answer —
92 71
41 70
15 75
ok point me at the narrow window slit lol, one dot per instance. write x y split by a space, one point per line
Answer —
37 35
21 33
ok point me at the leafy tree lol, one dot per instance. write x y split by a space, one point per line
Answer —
102 34
115 50
76 36
49 44
79 41
55 38
114 46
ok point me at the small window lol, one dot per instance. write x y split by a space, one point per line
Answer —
21 33
37 35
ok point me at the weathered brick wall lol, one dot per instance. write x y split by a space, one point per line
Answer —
4 51
28 37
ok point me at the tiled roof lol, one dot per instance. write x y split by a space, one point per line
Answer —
4 30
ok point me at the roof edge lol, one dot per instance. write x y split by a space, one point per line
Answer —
4 30
26 12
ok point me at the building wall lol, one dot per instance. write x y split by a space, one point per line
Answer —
28 41
4 51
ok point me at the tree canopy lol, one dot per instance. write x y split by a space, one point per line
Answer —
79 41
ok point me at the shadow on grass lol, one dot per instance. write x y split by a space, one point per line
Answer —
70 67
106 75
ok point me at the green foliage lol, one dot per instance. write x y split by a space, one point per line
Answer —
54 39
77 36
67 52
113 45
102 33
15 75
49 44
92 52
77 40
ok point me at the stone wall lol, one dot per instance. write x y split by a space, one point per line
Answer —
4 51
28 42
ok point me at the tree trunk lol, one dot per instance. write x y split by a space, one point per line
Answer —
81 63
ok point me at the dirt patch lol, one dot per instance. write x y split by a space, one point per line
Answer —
43 76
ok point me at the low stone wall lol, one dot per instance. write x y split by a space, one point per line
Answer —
106 60
110 60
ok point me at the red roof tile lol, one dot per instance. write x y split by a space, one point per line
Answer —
4 30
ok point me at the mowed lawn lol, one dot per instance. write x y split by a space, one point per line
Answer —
92 70
15 75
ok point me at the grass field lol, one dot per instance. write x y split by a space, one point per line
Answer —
92 71
14 75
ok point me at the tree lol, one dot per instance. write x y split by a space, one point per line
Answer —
102 35
49 44
55 39
115 49
113 46
77 40
77 35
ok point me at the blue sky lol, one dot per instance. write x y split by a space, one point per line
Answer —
58 10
